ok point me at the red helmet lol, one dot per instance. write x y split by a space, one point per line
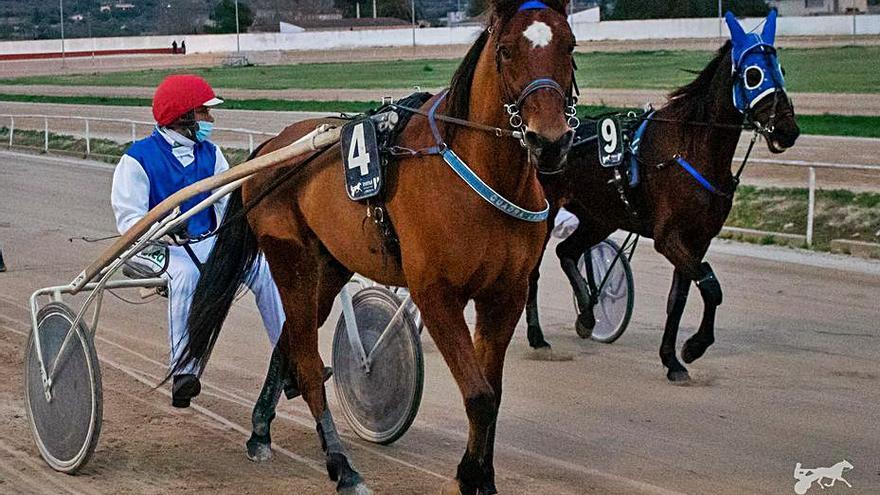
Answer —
178 94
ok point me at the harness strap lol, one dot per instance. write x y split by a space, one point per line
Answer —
699 177
539 84
490 195
472 179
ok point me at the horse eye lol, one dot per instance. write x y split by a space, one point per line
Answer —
754 77
505 52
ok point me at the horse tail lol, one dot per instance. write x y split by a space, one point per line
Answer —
231 259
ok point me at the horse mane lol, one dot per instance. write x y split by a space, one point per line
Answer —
459 97
693 101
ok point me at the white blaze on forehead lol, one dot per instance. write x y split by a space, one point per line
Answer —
539 34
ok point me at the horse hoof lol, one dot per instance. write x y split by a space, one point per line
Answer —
548 354
359 489
678 377
259 452
692 351
451 488
584 325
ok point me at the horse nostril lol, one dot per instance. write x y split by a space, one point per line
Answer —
535 140
566 140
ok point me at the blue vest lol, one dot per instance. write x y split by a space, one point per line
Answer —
167 176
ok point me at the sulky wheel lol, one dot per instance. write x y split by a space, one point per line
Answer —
67 425
380 404
614 279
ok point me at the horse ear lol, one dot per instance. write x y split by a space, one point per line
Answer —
737 33
768 35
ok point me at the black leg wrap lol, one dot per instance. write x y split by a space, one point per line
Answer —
339 466
709 286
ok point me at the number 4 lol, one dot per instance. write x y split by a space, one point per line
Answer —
359 145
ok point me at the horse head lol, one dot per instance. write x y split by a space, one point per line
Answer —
759 83
533 46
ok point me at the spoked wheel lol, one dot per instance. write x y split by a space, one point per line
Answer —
613 276
380 404
65 426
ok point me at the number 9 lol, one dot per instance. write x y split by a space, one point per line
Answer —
609 135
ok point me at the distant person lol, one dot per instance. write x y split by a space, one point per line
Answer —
176 155
2 264
174 46
183 47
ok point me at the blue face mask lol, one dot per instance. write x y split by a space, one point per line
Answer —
757 73
204 131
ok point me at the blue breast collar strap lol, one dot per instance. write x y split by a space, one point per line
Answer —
634 151
699 177
473 180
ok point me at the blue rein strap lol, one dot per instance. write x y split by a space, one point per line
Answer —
699 177
473 180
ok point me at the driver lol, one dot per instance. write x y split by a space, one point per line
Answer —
178 154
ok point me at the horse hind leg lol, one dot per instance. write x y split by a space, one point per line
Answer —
533 320
259 444
710 290
304 275
281 378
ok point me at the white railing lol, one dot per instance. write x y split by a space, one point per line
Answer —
87 134
811 181
250 133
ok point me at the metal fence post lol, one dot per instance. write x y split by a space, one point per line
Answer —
11 130
46 134
88 145
811 207
250 143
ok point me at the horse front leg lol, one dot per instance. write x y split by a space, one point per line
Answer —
443 312
710 290
496 322
583 290
678 294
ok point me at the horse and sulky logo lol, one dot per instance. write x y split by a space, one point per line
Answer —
806 477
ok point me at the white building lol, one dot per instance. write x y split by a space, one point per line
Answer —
819 7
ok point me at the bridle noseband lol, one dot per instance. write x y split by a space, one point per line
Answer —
514 109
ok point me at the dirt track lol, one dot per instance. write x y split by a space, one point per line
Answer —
792 378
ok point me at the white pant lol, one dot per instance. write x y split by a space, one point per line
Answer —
183 276
565 224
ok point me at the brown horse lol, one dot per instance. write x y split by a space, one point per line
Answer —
702 124
453 245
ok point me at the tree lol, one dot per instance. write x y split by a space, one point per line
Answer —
224 17
477 7
401 9
651 9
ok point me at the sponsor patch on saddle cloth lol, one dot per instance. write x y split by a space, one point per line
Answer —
362 165
151 262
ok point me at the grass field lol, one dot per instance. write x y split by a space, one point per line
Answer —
821 70
825 125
